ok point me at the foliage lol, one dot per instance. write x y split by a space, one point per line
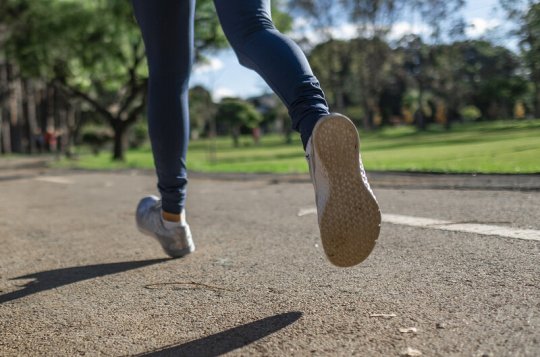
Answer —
280 116
353 73
93 52
202 110
238 113
138 135
526 16
281 18
96 137
530 44
428 82
491 74
208 33
374 18
470 113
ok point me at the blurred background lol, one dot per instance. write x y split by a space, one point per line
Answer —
433 85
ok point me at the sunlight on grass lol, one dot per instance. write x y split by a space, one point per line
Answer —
495 147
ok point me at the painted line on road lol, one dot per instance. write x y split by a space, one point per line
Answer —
476 228
306 211
55 179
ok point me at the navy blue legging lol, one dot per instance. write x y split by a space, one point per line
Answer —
167 29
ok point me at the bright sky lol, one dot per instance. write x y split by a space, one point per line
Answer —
223 76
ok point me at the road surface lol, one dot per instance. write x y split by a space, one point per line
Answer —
76 277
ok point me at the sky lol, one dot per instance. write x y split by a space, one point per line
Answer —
225 77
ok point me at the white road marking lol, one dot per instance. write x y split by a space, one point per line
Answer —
484 229
476 228
306 211
55 179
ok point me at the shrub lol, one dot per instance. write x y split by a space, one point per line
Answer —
470 113
96 137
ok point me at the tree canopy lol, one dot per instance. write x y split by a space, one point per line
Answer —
63 57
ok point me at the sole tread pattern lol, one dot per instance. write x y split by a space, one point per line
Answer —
350 221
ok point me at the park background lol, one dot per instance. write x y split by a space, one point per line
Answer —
431 87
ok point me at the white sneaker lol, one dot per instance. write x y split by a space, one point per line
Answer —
348 213
176 241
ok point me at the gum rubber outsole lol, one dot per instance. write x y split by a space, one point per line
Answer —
350 222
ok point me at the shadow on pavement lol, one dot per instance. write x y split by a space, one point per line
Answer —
229 340
51 279
16 177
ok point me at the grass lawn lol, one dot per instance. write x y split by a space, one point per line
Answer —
494 147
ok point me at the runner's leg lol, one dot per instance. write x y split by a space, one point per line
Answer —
278 60
167 29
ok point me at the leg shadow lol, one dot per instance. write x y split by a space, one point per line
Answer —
51 279
229 340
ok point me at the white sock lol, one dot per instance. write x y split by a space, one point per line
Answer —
172 225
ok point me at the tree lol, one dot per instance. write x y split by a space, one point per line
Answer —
356 72
279 114
202 111
443 17
477 73
526 16
356 75
530 46
418 65
375 18
238 113
371 71
93 52
493 76
322 16
332 62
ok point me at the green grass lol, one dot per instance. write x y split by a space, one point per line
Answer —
494 147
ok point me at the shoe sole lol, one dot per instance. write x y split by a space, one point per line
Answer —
351 219
173 254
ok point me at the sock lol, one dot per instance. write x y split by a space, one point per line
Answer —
170 224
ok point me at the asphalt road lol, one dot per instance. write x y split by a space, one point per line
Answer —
76 278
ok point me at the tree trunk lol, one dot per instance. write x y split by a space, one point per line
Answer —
5 143
236 135
119 141
43 99
419 119
1 131
31 115
50 108
537 100
288 134
6 137
212 148
57 118
368 115
340 99
70 131
14 111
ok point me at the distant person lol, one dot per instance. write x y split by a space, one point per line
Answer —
348 214
50 139
39 140
256 134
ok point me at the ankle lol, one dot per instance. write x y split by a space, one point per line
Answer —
173 220
171 217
